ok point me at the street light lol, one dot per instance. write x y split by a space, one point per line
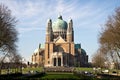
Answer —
22 59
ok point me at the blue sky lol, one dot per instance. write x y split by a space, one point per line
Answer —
88 18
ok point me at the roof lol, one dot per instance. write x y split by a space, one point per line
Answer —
77 46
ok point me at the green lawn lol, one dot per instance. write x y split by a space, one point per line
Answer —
59 76
83 69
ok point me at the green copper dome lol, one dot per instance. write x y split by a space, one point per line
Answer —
59 24
83 52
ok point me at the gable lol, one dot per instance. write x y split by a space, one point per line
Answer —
60 40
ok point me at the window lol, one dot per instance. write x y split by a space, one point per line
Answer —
58 49
48 62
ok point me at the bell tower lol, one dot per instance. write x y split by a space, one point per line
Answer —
49 31
70 40
48 43
70 32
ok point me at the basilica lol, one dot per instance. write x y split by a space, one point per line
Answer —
59 48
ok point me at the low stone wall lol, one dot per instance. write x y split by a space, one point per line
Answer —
59 69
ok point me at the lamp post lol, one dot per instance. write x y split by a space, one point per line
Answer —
22 59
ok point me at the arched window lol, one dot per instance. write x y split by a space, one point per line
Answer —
58 49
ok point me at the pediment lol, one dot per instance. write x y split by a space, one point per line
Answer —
60 40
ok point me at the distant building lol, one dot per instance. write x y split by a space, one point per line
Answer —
60 49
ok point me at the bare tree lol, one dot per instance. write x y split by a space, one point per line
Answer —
110 36
98 59
8 33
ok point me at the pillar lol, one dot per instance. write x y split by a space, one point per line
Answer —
56 61
66 59
52 61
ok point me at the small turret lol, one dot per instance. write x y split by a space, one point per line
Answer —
39 46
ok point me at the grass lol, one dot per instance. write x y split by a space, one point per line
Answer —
58 73
84 69
59 76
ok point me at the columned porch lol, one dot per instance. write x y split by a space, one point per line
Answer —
57 59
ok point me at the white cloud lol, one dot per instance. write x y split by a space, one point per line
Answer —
30 9
23 30
34 13
23 9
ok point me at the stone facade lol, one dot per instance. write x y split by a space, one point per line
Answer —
38 56
60 49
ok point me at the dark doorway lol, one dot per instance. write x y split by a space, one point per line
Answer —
59 61
54 61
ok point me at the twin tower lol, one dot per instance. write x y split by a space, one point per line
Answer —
59 28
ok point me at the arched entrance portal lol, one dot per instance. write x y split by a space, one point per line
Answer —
58 49
59 61
54 61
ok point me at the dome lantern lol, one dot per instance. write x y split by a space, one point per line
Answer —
60 17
